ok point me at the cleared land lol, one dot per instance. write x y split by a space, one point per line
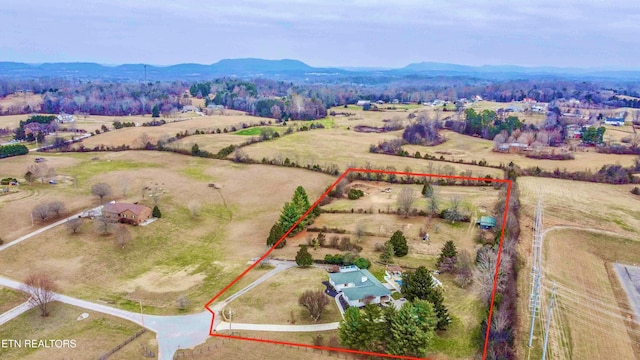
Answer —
346 148
284 289
133 135
251 350
592 306
191 255
94 335
470 148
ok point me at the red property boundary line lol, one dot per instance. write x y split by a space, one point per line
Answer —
495 277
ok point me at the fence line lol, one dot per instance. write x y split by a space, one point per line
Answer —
130 339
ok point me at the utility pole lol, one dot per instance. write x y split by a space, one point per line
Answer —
141 313
145 72
536 267
546 332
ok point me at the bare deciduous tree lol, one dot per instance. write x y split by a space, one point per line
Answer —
42 289
156 195
57 208
103 225
101 190
315 302
484 273
38 171
122 236
73 225
406 198
40 212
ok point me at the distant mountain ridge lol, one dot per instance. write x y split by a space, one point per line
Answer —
289 69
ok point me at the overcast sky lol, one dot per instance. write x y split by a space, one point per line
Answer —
575 33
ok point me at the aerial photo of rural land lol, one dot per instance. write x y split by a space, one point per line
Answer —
293 179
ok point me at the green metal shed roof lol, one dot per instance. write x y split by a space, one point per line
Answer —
487 221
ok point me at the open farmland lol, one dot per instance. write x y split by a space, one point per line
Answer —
586 233
467 148
133 135
233 223
346 149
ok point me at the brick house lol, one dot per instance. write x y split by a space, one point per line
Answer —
126 213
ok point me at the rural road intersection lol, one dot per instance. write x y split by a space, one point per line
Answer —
172 332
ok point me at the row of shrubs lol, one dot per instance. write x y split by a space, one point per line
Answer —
551 156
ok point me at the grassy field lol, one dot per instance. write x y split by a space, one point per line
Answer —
586 280
470 148
133 135
251 350
179 254
589 293
10 298
210 142
329 146
94 335
284 290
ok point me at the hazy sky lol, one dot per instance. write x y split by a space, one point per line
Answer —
576 33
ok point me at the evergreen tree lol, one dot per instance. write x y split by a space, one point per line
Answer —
275 234
301 203
399 243
195 150
155 111
156 212
437 300
387 253
303 257
288 217
447 259
411 330
417 284
427 190
350 329
372 331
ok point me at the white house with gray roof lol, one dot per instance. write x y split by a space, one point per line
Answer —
359 287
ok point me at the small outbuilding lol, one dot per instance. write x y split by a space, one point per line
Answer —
487 222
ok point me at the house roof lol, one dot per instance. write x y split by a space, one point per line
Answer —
369 287
487 221
615 119
121 207
394 268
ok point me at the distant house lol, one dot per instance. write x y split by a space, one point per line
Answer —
614 121
487 222
64 118
574 131
126 213
215 107
359 287
189 108
538 108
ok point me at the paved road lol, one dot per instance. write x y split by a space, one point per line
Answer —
15 312
629 277
217 307
173 332
40 231
278 328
